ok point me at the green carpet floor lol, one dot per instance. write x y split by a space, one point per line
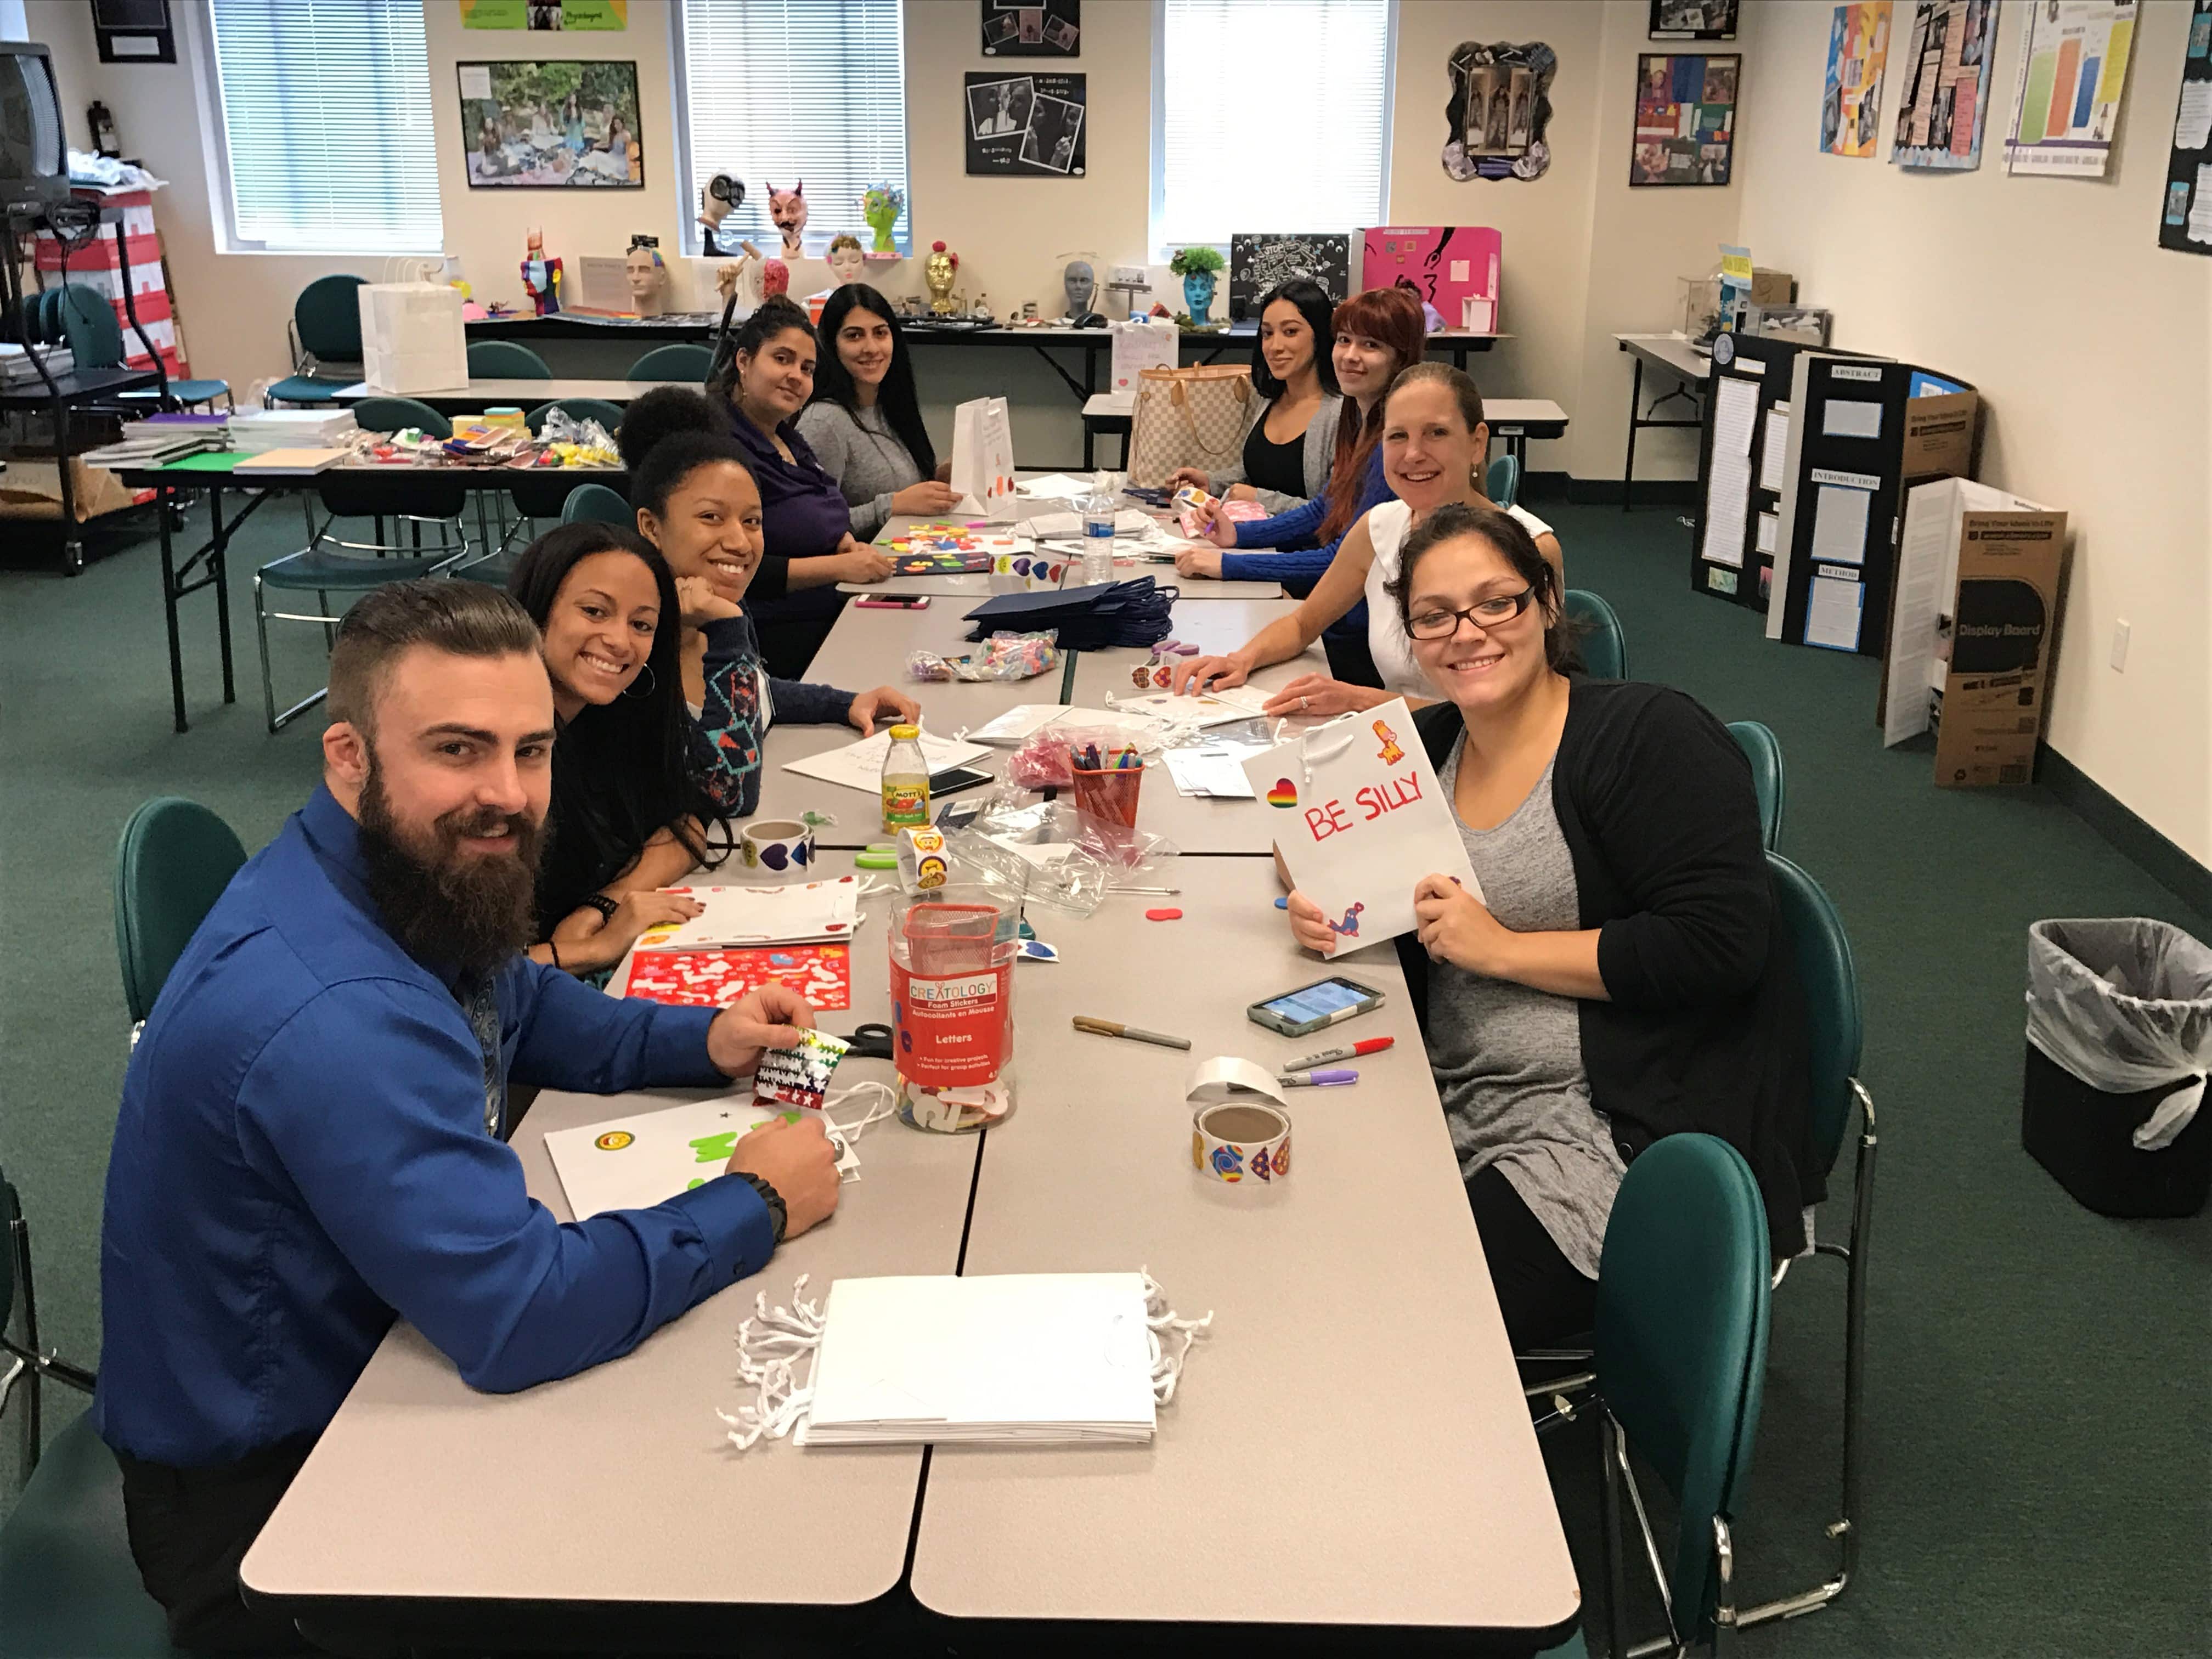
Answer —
2037 1454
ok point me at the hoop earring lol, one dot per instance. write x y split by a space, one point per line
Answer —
651 684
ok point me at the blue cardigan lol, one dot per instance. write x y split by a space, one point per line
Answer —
1299 567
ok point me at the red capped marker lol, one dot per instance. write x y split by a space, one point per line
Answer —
1365 1046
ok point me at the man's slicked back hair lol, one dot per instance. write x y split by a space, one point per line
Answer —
461 618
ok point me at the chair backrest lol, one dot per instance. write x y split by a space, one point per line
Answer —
503 359
1835 1024
1764 751
1502 482
327 318
594 504
1680 1339
88 322
398 413
584 409
49 305
172 865
682 361
1604 645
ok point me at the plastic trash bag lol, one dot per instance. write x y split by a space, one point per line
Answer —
2124 1004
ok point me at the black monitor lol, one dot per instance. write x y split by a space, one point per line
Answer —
33 158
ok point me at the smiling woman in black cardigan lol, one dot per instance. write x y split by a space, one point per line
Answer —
1624 975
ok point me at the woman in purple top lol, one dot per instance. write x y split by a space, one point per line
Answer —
807 523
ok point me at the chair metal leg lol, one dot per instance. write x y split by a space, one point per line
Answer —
1725 1620
261 634
1845 1528
18 1240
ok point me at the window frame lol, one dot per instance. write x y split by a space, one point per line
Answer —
1155 241
198 24
689 238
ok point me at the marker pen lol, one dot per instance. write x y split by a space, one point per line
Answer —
1316 1080
1366 1046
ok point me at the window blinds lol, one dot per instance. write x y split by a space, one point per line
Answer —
327 125
1273 118
780 91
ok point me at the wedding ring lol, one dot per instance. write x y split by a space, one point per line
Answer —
1305 703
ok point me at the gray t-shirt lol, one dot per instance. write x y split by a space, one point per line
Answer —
866 458
1508 1057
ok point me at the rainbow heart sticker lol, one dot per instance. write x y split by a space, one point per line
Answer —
1283 794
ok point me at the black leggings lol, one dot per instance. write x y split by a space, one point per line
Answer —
1545 1299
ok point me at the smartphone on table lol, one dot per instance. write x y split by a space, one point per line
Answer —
1306 1010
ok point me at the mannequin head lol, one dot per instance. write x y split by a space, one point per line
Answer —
786 210
775 279
845 262
719 198
648 275
1081 285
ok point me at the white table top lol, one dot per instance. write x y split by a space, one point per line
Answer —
1540 418
618 1483
1672 351
1350 1445
976 588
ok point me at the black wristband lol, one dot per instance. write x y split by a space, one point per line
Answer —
770 1197
599 902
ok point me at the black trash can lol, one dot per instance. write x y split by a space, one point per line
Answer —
2119 1039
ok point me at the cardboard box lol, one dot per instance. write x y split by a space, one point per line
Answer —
1974 629
1772 287
1938 435
1452 269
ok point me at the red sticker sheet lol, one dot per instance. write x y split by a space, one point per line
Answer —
823 974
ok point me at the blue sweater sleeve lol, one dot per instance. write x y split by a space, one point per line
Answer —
433 1213
568 1035
1284 529
802 703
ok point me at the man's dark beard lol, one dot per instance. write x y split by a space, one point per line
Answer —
450 910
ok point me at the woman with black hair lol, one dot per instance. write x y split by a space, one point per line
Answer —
628 814
808 526
1292 442
693 489
865 424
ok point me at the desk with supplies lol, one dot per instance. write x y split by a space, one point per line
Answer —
477 396
975 588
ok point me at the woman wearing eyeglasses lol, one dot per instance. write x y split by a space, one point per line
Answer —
1621 975
1434 445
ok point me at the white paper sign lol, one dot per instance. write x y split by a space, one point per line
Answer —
983 457
1359 820
1141 344
475 80
635 1163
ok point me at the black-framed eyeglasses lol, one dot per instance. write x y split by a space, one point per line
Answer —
1441 622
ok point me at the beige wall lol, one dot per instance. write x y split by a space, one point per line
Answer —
2092 345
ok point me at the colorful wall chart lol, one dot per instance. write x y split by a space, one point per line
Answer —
2185 219
1685 119
544 14
1850 103
1946 96
2073 67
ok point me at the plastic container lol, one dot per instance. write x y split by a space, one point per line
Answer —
1106 805
1097 539
2119 1039
952 956
905 781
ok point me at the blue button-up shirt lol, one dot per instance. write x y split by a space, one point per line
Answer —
302 1156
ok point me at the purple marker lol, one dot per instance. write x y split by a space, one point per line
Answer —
1316 1080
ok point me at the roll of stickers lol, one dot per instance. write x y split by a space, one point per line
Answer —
1231 1140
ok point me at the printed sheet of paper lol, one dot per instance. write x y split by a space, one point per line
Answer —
1948 71
1019 724
1851 418
1735 410
1833 611
1840 525
1360 820
1726 505
799 913
2066 103
1212 769
1235 703
1769 526
635 1163
1774 454
861 765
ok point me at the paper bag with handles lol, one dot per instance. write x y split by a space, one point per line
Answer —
1359 820
1139 343
1189 417
983 458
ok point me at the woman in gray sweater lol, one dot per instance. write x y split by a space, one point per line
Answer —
865 422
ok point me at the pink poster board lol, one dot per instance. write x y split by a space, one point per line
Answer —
1453 268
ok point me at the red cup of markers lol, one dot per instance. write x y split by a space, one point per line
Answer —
1106 806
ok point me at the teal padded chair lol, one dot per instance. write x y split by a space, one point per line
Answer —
398 413
1603 643
67 1585
673 362
1502 482
1682 1334
544 493
83 317
594 504
173 861
1764 751
325 334
583 408
503 359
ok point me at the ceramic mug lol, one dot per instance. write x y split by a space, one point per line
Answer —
780 846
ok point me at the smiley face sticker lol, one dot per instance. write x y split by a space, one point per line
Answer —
614 1140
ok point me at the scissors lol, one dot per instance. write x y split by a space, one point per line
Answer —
871 1040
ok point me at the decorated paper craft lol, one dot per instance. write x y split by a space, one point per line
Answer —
1208 708
861 765
635 1163
797 913
932 549
1361 821
800 1076
823 974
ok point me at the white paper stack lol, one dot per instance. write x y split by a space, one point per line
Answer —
1018 725
635 1163
256 431
1017 1359
861 765
804 913
1238 703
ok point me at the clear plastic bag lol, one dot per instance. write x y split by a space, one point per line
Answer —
2124 1004
1056 875
595 443
1002 658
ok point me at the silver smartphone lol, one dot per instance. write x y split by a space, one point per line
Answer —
1306 1010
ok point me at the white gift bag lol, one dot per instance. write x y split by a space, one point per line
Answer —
983 458
1360 820
411 339
1139 343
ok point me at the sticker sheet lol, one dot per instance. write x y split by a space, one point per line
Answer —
823 974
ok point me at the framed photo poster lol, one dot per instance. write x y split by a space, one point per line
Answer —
551 125
1685 119
1693 20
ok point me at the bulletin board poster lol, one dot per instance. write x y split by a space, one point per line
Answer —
1851 104
1693 20
1946 100
1685 119
2073 67
2185 220
544 14
551 124
1259 262
1025 125
1011 29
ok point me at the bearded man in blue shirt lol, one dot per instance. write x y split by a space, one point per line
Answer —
312 1134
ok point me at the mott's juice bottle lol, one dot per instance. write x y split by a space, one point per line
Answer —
906 781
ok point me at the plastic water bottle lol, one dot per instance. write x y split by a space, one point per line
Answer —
1097 538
